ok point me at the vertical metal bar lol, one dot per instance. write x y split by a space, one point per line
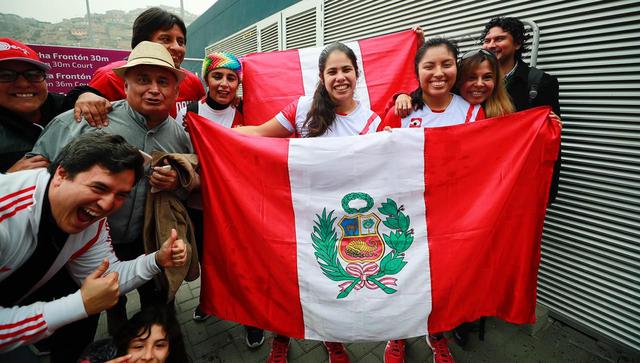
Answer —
535 42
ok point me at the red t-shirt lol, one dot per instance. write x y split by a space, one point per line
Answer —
112 86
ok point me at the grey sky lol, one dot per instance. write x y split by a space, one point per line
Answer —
55 10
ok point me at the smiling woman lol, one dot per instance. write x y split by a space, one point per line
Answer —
433 103
480 82
332 111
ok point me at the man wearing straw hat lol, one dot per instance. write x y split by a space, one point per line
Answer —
151 85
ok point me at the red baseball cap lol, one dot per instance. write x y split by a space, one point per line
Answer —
14 50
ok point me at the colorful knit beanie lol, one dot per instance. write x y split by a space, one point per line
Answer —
220 60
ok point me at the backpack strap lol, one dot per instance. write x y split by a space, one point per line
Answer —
533 82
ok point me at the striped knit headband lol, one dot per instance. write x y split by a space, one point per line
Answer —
220 60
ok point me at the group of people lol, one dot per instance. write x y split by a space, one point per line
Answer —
81 172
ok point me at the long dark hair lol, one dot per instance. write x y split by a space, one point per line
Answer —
416 96
139 326
323 110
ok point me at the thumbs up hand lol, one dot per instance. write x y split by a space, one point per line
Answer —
173 252
100 292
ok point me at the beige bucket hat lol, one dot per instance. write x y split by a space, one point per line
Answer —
152 54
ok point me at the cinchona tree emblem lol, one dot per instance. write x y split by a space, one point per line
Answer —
360 256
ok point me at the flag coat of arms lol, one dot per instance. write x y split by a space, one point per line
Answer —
272 80
382 236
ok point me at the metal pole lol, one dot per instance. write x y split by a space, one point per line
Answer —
181 9
89 27
535 42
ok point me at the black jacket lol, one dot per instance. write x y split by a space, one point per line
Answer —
519 91
17 135
548 95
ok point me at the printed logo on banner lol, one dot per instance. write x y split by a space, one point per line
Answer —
357 258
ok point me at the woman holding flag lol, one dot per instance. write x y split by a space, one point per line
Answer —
481 86
433 104
331 111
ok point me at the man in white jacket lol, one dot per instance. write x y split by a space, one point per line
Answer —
55 218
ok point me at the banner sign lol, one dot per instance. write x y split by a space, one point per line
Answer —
74 66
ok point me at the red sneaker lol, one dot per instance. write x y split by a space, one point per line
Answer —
279 350
337 353
441 353
394 351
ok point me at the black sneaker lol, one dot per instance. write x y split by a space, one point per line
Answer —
254 337
199 315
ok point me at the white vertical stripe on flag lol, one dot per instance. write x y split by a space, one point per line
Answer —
309 68
322 171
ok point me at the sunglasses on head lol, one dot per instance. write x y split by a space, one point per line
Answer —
31 75
475 52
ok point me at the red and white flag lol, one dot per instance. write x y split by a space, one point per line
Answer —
375 237
273 80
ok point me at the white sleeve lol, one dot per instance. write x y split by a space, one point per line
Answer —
24 325
131 273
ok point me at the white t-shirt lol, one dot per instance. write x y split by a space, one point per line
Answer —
458 111
228 117
360 121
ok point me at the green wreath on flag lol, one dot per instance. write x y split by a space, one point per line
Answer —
399 239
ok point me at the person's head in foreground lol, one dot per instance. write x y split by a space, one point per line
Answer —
91 178
149 336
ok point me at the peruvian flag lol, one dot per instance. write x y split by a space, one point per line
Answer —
273 80
382 236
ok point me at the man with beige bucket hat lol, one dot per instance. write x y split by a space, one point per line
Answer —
151 85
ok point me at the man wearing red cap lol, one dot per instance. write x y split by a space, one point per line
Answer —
26 106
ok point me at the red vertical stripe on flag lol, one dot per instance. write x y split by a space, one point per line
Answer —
485 223
270 82
249 259
388 66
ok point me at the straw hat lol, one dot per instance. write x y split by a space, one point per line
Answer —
152 54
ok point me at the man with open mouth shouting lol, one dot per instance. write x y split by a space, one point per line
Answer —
56 217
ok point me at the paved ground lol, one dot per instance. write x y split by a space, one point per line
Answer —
223 341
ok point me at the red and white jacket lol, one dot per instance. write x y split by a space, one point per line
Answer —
21 196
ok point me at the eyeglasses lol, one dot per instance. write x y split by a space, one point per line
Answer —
475 52
31 75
